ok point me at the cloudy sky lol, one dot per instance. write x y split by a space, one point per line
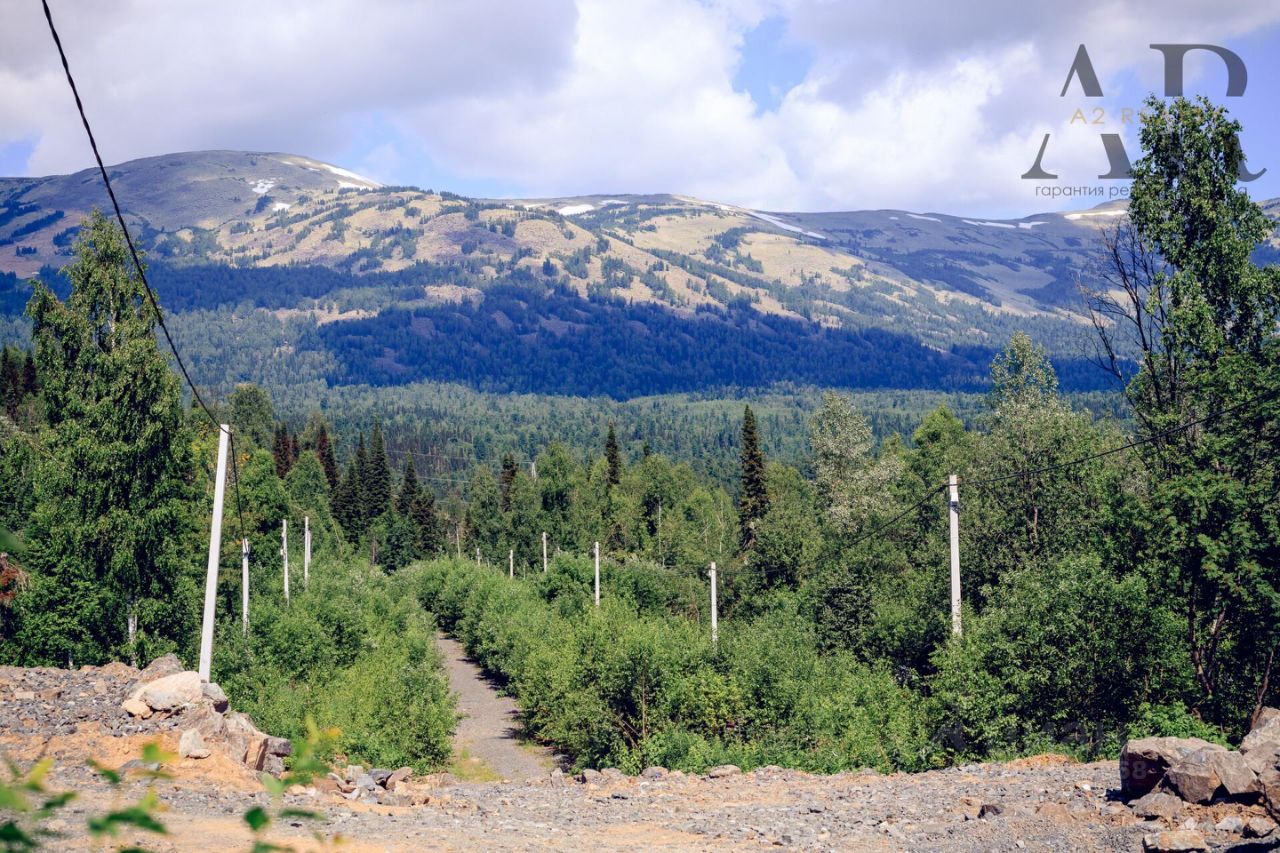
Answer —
775 104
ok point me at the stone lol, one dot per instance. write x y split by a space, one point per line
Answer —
556 777
1239 781
653 772
214 694
1231 823
239 731
24 695
1157 804
161 667
1174 841
1144 761
1269 784
970 807
589 776
1198 775
211 725
1263 757
255 754
136 708
171 692
380 776
404 774
191 745
51 694
1266 729
364 780
612 774
1258 827
990 810
724 771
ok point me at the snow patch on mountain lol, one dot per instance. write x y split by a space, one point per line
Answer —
263 186
575 209
785 226
922 216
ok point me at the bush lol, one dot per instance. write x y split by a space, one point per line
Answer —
629 684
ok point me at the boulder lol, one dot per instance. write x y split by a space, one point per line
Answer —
653 772
723 771
161 667
1266 730
1144 761
211 725
1263 757
1210 772
171 692
213 693
1258 827
380 776
590 776
1157 804
1269 785
191 745
401 775
136 708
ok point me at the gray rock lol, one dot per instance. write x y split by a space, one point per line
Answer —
1266 729
159 668
214 694
380 776
590 776
1144 761
191 745
1258 827
653 772
612 774
723 771
1157 804
364 780
1231 823
171 692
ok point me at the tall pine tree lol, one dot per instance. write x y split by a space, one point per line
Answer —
409 490
112 494
613 455
377 484
324 452
505 480
754 502
281 451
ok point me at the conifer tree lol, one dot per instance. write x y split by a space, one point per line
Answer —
378 477
346 501
427 522
107 554
324 452
409 491
505 480
30 379
614 457
359 488
754 502
280 450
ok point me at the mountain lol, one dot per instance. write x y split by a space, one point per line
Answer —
334 278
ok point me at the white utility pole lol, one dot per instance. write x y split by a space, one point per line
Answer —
955 555
306 551
715 617
597 551
244 584
215 551
284 552
511 563
544 552
477 555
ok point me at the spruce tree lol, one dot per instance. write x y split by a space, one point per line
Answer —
30 379
507 477
754 502
425 520
111 496
409 490
10 382
614 457
280 450
346 501
359 488
324 452
378 476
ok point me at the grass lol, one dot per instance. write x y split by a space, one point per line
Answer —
468 768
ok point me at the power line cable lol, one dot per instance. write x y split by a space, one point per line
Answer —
133 252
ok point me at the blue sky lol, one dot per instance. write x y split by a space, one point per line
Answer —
773 104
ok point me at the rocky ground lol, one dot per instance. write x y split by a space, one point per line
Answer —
1045 803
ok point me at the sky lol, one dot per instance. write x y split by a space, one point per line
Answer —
772 104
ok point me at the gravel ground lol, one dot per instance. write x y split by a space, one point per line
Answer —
1044 803
488 729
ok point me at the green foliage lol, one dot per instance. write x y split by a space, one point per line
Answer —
753 501
354 652
111 496
630 683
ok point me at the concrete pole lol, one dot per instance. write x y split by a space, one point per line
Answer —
284 552
215 551
306 551
244 584
544 552
511 563
954 489
597 552
715 616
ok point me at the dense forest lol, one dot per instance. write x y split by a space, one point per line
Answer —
1118 578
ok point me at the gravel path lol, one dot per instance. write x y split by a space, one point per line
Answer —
488 731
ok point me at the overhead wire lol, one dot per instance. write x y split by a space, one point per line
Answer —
133 252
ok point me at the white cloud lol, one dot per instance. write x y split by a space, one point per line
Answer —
934 109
